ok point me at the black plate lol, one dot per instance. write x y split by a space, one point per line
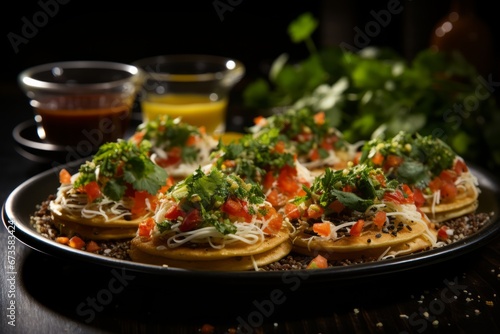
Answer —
22 201
30 146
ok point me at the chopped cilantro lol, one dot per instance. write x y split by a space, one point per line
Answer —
119 165
423 157
357 188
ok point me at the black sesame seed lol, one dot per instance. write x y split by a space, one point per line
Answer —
378 235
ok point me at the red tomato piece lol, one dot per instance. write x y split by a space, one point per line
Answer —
145 227
287 180
191 221
64 176
322 229
418 197
380 218
292 211
92 190
274 221
448 192
337 206
357 228
319 262
460 167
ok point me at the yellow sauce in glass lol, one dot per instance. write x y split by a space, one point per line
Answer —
197 110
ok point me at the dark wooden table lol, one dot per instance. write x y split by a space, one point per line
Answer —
41 293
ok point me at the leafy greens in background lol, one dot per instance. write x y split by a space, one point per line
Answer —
377 91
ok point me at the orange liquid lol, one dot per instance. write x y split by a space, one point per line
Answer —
88 125
197 110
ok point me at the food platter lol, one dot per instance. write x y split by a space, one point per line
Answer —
22 203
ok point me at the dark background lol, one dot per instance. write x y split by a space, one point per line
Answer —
253 31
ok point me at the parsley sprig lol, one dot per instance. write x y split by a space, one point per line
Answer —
119 165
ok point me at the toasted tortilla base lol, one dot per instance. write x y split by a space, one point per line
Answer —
359 243
157 247
465 202
96 229
416 244
442 216
236 263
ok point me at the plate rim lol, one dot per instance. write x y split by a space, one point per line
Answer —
29 237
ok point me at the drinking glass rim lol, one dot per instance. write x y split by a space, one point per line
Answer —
26 79
230 67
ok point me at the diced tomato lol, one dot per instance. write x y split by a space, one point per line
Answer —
268 181
92 246
145 227
314 154
319 118
378 159
357 228
398 197
381 179
328 142
280 147
392 161
337 206
409 194
448 191
314 211
287 180
229 163
380 218
173 157
260 120
272 197
319 262
435 184
173 212
448 176
76 242
64 176
348 188
92 190
237 208
192 140
442 233
137 137
140 207
292 211
322 229
460 167
191 221
418 197
274 221
62 240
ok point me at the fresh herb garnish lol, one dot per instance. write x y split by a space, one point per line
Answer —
357 187
119 165
376 88
252 157
422 157
167 133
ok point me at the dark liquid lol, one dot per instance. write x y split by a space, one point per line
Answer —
89 125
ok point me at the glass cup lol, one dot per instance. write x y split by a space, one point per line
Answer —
81 103
193 87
